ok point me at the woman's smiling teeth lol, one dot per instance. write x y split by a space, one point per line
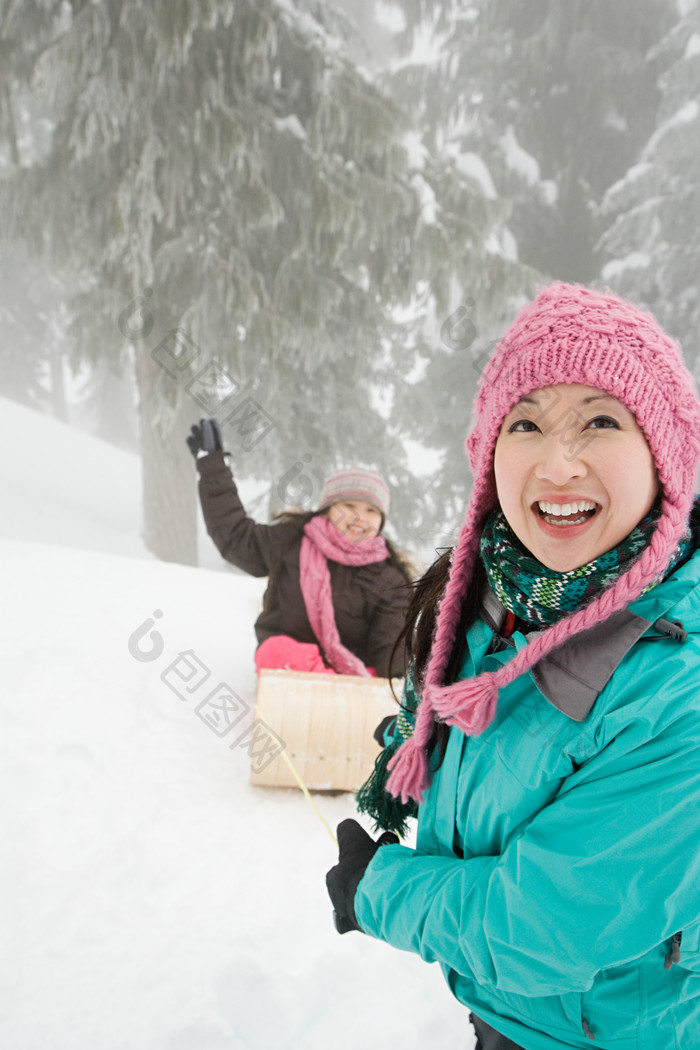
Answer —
574 513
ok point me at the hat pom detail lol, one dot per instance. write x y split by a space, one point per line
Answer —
470 705
409 773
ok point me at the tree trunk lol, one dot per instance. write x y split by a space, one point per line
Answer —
168 473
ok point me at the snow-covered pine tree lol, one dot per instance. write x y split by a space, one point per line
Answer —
651 215
555 100
464 267
33 321
32 308
543 106
234 197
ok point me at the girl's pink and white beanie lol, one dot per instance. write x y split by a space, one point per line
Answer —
356 483
569 334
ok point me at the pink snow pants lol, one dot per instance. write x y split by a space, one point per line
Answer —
280 652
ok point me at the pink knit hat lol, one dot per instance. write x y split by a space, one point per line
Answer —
569 334
356 483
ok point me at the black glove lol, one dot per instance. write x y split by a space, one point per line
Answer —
356 851
205 437
379 732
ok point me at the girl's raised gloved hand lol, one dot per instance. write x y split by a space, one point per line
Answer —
205 437
356 849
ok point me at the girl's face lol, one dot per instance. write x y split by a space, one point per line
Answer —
356 519
574 473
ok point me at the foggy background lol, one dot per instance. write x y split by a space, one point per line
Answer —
312 220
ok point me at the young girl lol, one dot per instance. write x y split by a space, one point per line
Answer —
554 756
337 592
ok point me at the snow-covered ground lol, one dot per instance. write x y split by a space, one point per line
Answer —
150 898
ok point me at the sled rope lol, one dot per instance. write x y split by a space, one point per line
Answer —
304 788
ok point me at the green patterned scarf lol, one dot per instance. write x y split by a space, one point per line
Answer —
389 813
533 593
541 596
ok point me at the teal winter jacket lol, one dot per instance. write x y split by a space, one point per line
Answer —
557 856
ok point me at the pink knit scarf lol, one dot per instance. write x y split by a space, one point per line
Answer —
322 541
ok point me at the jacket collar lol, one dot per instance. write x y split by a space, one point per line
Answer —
572 676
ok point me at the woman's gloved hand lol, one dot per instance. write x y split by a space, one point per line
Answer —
205 437
356 849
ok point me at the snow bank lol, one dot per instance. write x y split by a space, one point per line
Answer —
62 485
150 898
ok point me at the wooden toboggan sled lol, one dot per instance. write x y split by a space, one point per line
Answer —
324 724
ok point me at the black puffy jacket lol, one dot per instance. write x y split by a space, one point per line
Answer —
369 600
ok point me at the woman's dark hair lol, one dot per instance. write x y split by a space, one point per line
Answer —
419 629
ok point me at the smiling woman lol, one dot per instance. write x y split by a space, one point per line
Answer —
549 742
